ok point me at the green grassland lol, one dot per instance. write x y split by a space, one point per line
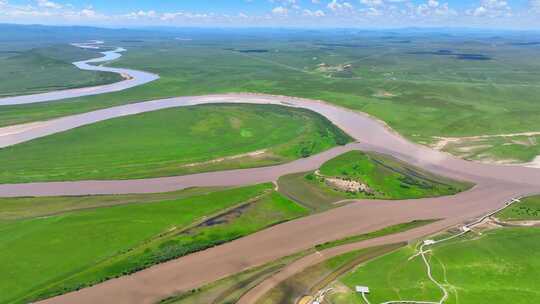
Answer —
403 80
527 209
47 255
498 266
30 207
47 69
387 177
172 142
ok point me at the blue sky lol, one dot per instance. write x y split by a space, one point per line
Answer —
284 13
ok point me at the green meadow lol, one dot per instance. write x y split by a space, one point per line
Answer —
31 71
498 266
48 255
172 142
420 84
527 209
386 177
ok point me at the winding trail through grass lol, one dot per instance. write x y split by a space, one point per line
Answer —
429 243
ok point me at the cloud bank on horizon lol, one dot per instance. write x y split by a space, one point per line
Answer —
286 13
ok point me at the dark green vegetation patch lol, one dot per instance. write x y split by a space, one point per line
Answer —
527 209
173 142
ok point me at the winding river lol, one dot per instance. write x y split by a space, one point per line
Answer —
132 79
495 185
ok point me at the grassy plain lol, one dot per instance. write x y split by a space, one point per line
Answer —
498 266
527 209
387 178
48 255
402 78
172 142
38 70
30 207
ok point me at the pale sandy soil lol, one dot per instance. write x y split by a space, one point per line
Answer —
254 154
535 163
443 143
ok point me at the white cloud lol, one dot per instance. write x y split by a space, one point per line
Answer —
142 14
184 16
372 3
48 4
310 13
433 8
433 3
88 12
280 10
364 13
336 6
169 16
491 8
